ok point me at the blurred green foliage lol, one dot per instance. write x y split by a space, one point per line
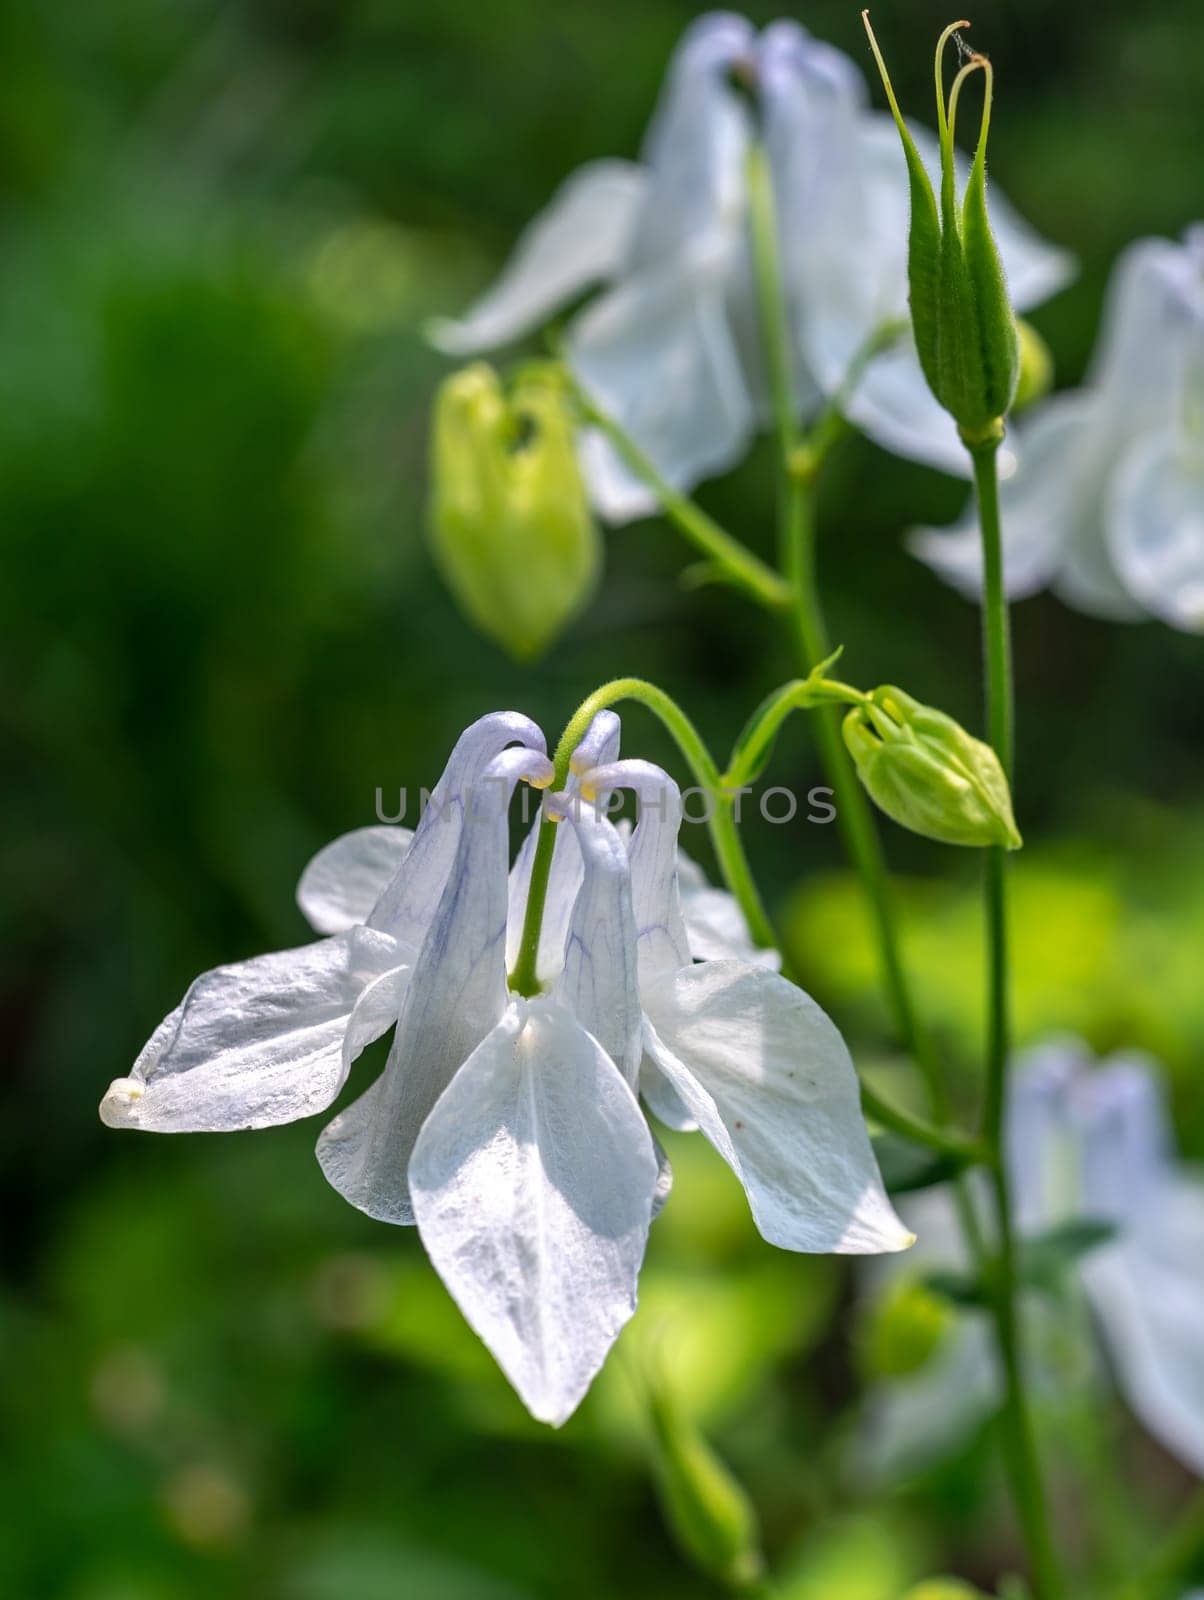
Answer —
221 226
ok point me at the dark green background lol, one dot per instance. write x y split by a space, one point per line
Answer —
221 227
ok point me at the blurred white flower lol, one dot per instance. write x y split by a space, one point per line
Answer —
670 346
1106 506
1084 1140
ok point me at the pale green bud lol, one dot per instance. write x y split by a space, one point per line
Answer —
1036 367
510 523
707 1509
927 773
904 1330
964 327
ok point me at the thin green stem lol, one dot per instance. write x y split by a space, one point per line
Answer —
721 823
1023 1462
732 560
966 1152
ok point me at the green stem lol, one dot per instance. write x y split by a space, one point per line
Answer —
1020 1441
720 819
733 561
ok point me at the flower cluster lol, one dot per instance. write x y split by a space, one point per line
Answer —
507 1127
670 343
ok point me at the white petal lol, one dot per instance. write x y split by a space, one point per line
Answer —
1155 529
599 985
408 903
769 1080
1148 1292
715 925
533 1182
456 995
1040 505
580 240
657 354
344 880
655 895
263 1041
659 1094
601 743
894 406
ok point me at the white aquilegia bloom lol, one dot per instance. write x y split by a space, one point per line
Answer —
1107 504
509 1128
1084 1141
669 343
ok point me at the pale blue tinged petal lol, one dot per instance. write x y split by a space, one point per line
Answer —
533 1183
657 355
580 240
655 896
343 882
599 984
894 406
1148 1294
769 1080
658 1093
1120 1119
264 1041
407 905
695 149
715 925
1040 1144
456 995
601 743
1155 528
1041 505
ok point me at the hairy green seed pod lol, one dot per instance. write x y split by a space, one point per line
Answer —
927 773
510 525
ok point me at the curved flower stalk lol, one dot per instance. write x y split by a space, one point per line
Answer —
1084 1141
272 1039
1107 504
669 345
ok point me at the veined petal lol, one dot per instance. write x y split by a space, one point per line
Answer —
1155 529
599 984
600 744
263 1041
347 877
533 1182
770 1082
1147 1290
581 239
408 903
456 995
655 896
657 354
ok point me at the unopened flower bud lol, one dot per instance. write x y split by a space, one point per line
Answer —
904 1330
706 1508
927 773
965 331
510 523
1036 367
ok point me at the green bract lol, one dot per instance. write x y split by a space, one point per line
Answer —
927 773
965 331
510 524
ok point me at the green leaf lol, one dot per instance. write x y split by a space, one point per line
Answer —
1044 1260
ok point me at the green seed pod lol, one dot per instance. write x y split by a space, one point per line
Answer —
965 330
904 1330
927 773
510 524
708 1511
1036 367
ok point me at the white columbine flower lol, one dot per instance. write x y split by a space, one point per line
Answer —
670 342
508 1128
1083 1141
1107 504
